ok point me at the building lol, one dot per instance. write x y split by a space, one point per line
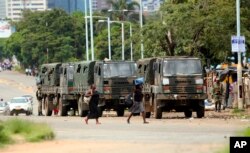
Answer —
98 5
77 5
67 5
14 8
150 5
2 9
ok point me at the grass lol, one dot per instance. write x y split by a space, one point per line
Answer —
241 113
29 131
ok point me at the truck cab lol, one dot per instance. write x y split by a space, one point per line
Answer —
114 81
173 84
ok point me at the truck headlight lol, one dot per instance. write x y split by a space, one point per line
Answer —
165 81
199 81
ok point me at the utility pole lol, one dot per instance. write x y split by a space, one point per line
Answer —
141 24
239 67
86 31
91 31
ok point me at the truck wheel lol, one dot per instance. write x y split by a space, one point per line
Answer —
48 111
200 109
188 113
120 111
148 114
62 109
157 110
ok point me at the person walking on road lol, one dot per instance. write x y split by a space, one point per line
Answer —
217 93
93 104
137 106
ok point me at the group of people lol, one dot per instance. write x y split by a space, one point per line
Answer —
224 94
136 108
93 95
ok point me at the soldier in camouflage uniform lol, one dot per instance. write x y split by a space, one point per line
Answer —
39 97
217 93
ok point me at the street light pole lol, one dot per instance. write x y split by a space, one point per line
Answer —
122 41
131 44
91 31
141 24
239 67
109 41
86 32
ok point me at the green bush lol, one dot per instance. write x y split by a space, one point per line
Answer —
30 131
4 137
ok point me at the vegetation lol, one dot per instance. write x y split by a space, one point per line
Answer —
201 28
27 130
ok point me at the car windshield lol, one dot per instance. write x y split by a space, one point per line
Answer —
19 100
119 69
182 67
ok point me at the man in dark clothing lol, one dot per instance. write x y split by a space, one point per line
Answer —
93 104
137 105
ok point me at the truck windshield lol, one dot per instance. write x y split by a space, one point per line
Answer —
119 69
182 67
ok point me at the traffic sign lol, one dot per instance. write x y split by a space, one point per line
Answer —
238 44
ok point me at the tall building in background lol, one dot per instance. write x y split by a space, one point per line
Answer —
150 5
71 6
14 8
68 5
2 9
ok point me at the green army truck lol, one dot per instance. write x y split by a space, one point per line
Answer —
63 85
114 81
56 87
172 84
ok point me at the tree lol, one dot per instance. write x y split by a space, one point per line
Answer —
201 28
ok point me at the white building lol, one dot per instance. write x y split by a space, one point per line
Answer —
150 5
14 8
2 9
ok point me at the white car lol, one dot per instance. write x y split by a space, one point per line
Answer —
20 105
4 108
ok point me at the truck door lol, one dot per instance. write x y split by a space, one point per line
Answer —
70 76
98 77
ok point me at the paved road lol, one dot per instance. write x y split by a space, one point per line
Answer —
170 134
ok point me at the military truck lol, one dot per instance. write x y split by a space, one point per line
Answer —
172 84
114 80
63 85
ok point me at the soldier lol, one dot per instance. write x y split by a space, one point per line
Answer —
39 97
217 92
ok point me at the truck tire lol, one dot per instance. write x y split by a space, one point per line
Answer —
157 110
200 110
188 113
48 111
62 108
120 111
148 114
